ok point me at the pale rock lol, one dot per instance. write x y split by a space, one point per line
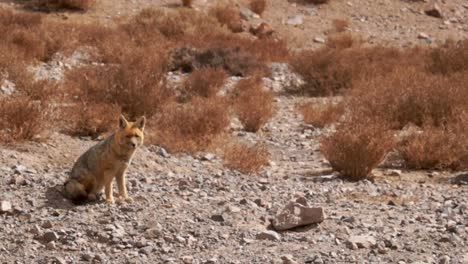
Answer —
297 213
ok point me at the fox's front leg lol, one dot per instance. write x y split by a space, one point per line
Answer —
108 190
121 185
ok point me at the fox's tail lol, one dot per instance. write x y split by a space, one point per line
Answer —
75 191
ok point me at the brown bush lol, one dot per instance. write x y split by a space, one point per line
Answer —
342 41
320 115
317 1
410 96
357 147
22 119
205 82
91 119
253 104
246 158
48 5
436 148
452 57
258 6
340 25
229 16
187 3
138 85
190 127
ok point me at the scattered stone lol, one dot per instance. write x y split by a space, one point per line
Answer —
444 260
51 245
218 218
47 224
208 157
297 213
7 87
363 241
433 10
288 259
5 206
296 20
319 40
460 179
263 30
269 235
247 14
49 237
423 35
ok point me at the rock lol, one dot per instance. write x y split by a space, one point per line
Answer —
460 179
7 87
5 206
296 20
423 35
319 40
51 245
363 241
433 10
187 259
288 259
394 173
247 14
297 213
218 218
444 260
49 237
268 235
47 224
208 157
263 30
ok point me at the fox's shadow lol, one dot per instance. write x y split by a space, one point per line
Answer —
56 200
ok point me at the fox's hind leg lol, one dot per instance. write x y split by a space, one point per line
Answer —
75 191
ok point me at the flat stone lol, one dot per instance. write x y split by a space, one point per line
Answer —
269 235
433 10
49 237
362 241
297 213
296 20
5 206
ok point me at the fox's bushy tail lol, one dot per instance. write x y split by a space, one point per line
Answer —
75 191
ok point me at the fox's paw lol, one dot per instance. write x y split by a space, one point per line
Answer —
129 199
92 197
110 201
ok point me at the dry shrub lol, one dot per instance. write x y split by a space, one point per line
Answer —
317 2
258 6
342 41
409 96
91 119
172 24
138 85
357 147
340 25
253 104
452 57
205 82
190 127
22 119
228 15
187 3
246 158
48 5
331 71
436 148
320 115
235 62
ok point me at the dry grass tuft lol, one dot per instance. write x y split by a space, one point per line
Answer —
190 127
229 16
91 120
340 25
321 115
49 5
452 57
258 6
138 86
357 147
248 159
187 3
253 104
436 148
205 82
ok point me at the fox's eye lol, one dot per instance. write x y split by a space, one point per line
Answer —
129 136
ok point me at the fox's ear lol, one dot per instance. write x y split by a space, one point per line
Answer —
123 122
140 123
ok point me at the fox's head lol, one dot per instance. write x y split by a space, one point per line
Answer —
130 134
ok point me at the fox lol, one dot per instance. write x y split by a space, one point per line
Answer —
96 169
